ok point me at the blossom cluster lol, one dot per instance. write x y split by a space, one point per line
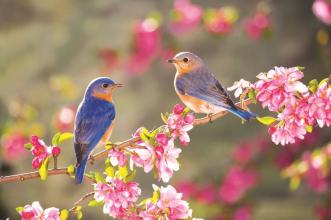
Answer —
298 107
41 151
314 168
157 150
118 197
36 212
148 42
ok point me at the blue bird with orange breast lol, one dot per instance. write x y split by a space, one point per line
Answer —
200 90
94 121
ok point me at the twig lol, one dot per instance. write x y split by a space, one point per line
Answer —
73 209
102 154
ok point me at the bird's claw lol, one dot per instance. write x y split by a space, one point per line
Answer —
210 116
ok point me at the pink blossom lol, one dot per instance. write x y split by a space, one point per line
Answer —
220 21
206 194
13 146
147 39
118 197
257 25
240 86
187 188
169 206
316 176
185 16
179 127
243 153
290 126
317 107
322 10
143 156
323 212
166 160
162 139
36 212
236 182
41 151
243 213
117 157
278 86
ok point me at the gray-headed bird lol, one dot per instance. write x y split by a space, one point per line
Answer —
199 90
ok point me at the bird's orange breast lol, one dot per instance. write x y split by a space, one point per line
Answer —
104 96
107 135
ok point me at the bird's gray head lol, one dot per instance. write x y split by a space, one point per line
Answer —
186 62
101 88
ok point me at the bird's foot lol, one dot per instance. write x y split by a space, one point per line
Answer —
91 159
110 145
210 116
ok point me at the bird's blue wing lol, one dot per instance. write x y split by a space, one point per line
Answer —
92 121
205 86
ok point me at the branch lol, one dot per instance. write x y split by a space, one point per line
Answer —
102 154
86 196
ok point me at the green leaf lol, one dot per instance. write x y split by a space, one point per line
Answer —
295 183
143 136
156 196
64 214
79 212
28 146
313 85
323 81
55 139
142 203
252 95
65 136
99 177
186 110
131 176
94 203
71 169
19 209
123 172
79 215
309 128
300 67
164 118
43 169
267 120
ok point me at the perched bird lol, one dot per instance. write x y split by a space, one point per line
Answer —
200 90
93 121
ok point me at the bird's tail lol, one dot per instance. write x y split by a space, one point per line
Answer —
243 114
80 170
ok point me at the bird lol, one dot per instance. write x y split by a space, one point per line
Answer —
199 90
94 121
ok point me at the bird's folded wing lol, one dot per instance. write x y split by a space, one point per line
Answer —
205 87
89 129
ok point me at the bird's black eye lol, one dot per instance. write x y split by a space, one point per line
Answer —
105 85
185 59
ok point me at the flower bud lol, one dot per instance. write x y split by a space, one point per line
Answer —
189 118
178 109
56 151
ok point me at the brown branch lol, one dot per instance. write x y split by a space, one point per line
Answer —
86 196
102 154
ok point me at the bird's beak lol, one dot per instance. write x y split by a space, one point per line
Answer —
117 85
172 61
